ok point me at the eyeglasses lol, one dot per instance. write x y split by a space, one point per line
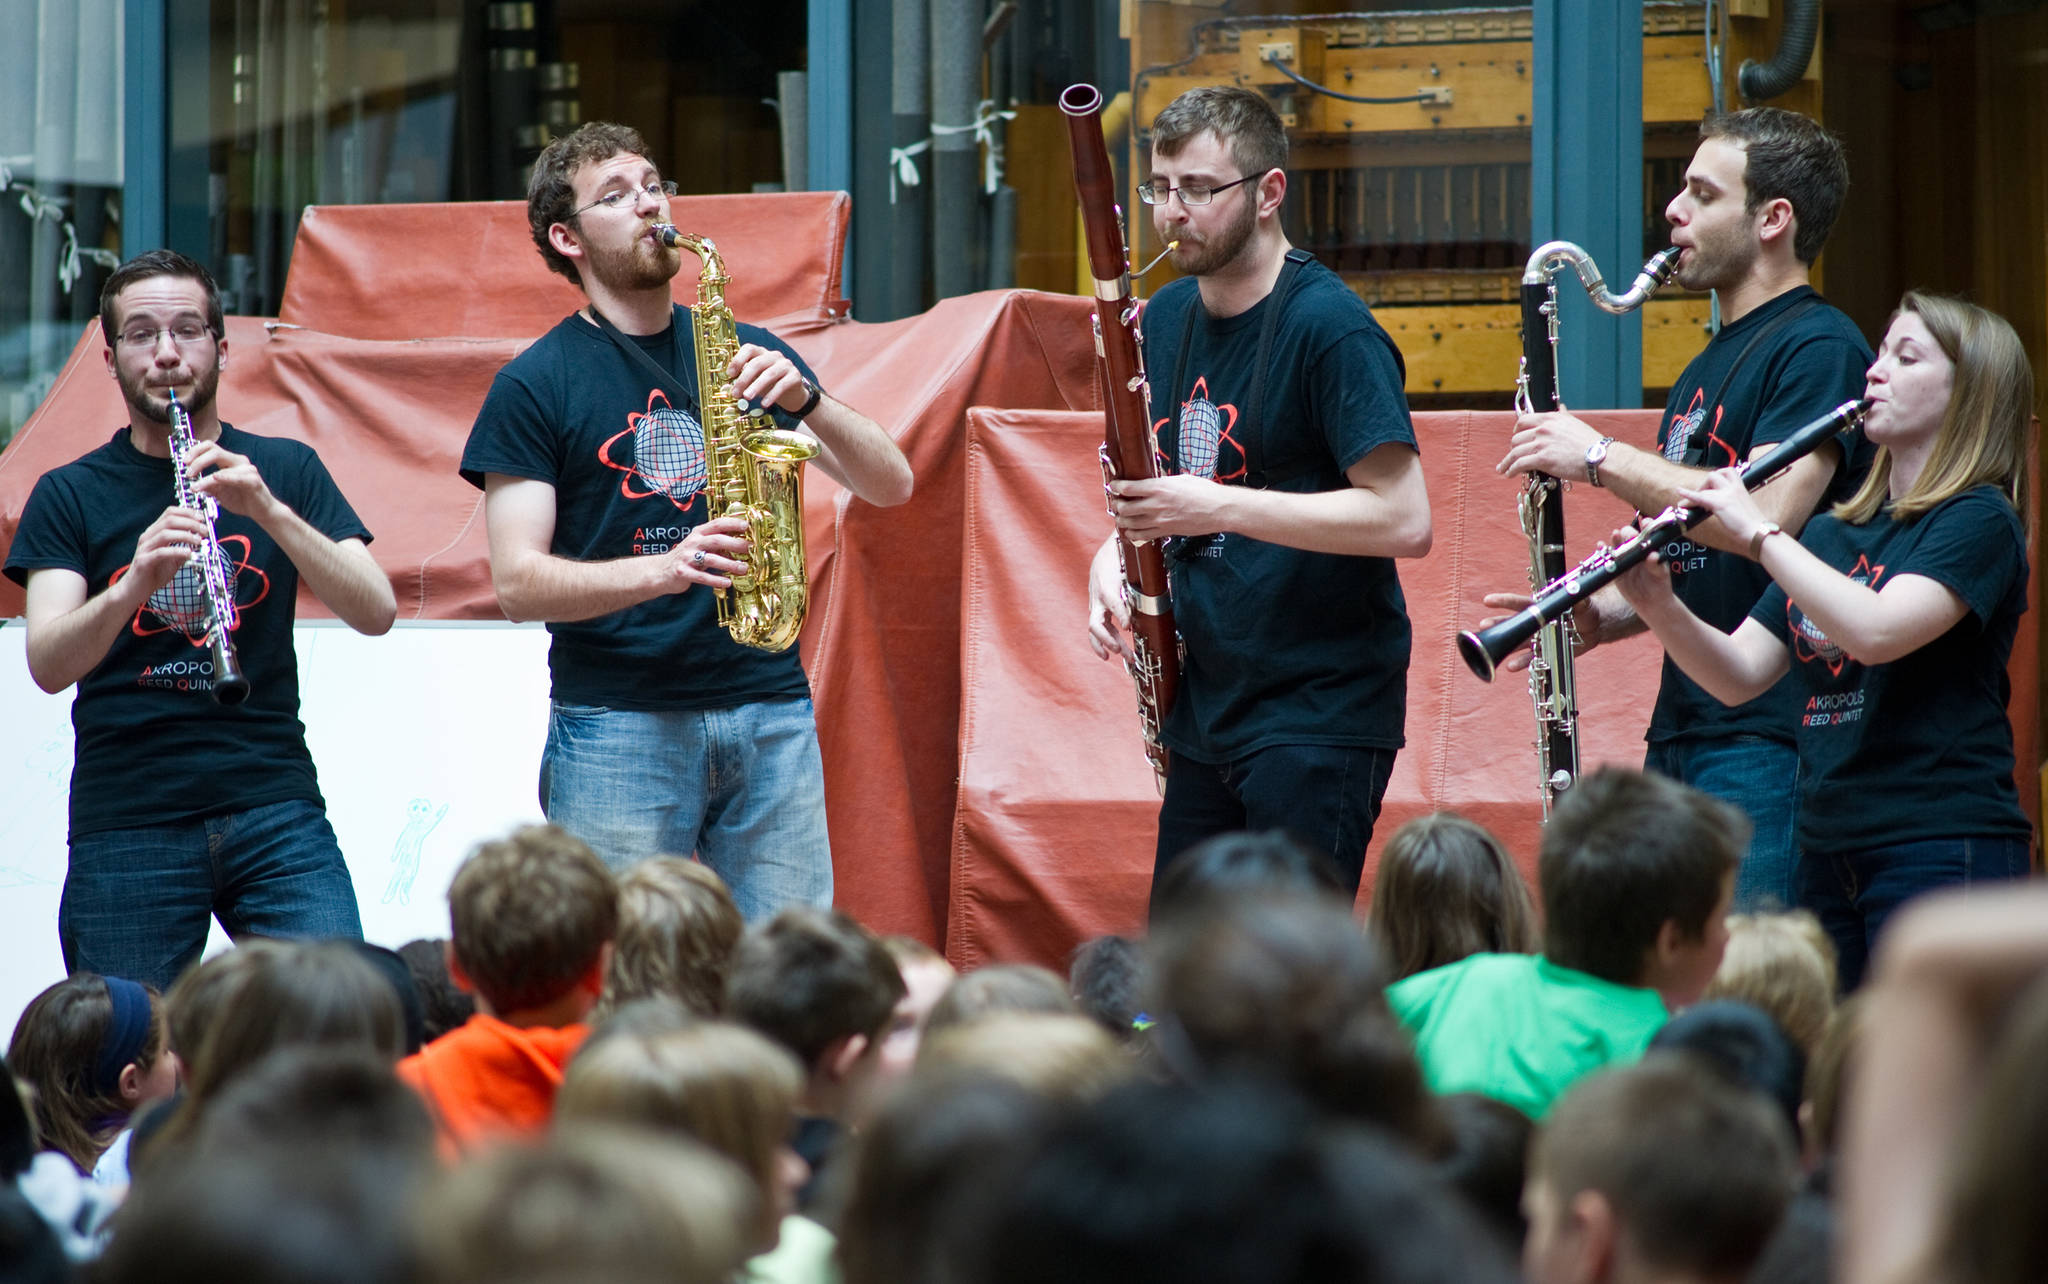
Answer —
1191 194
627 197
185 334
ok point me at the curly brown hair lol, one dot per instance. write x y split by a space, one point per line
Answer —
551 192
529 916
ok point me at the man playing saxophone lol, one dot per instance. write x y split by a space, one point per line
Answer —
184 807
1295 483
664 735
1760 196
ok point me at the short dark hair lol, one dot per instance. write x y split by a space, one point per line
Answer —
1241 119
1790 156
551 192
318 1099
443 1005
151 263
1103 978
1230 866
1000 987
1626 852
530 914
1485 1159
809 977
1746 1046
1698 1172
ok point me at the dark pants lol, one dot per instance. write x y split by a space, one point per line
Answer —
1854 894
1325 796
137 901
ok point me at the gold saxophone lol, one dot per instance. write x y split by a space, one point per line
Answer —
751 470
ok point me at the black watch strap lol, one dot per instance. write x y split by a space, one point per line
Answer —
803 412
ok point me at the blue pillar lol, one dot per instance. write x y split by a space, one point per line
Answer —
1586 183
145 127
830 119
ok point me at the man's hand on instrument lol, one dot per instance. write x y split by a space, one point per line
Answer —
1155 507
1723 495
766 377
234 482
166 546
1552 442
712 553
1647 584
1585 625
1109 616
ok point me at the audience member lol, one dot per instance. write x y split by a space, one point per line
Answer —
1656 1173
926 976
589 1204
824 987
1485 1159
314 1100
1783 963
1232 865
93 1050
443 1004
1237 1183
1061 1056
678 927
532 919
397 973
1445 890
999 987
1289 987
1830 1076
1104 980
1635 874
1741 1043
1800 1251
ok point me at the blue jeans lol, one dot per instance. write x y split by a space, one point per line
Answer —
1855 893
1761 776
136 901
1326 796
742 788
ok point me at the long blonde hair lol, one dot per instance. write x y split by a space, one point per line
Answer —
1984 433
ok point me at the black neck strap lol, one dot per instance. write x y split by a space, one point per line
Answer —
1253 418
675 383
1696 445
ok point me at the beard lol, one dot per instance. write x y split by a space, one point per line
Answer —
153 403
642 265
1202 256
1718 261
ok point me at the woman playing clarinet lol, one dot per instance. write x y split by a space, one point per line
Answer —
1897 611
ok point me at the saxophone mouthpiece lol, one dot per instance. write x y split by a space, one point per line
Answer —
1171 246
666 233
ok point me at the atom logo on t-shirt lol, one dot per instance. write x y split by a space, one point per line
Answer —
1683 426
667 453
181 607
1809 643
1205 429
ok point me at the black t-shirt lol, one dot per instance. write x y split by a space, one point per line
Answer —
1282 646
153 747
1920 747
627 466
1810 364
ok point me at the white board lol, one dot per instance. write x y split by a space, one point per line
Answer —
427 741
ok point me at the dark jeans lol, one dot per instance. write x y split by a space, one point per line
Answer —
1761 776
1854 894
136 901
1326 796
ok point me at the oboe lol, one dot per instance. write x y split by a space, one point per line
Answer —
1552 685
209 564
1129 449
1483 649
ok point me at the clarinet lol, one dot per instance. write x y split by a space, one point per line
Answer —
1130 451
230 687
1553 689
1483 649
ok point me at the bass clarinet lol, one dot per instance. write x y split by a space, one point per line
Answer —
1552 688
209 565
1130 451
1483 649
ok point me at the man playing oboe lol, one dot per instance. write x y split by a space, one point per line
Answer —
184 808
1295 483
1760 196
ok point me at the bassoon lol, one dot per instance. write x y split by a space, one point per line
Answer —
1130 451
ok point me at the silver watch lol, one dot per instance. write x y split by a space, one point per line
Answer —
1596 455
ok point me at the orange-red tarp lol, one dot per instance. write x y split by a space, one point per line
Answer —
983 778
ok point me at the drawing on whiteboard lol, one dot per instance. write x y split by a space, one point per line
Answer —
405 853
14 876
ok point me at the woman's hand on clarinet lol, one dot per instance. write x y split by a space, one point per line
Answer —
1722 495
1109 616
1585 625
711 554
1647 584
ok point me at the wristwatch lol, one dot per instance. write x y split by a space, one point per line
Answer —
1756 541
1596 455
813 394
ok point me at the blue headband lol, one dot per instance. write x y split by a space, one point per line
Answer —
127 1033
